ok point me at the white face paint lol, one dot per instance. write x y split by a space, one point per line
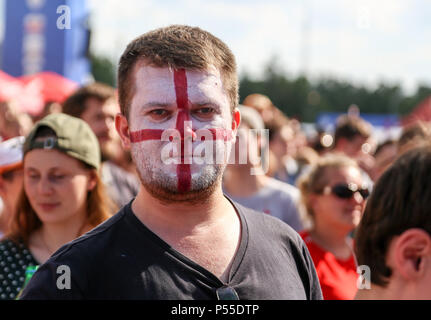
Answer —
154 106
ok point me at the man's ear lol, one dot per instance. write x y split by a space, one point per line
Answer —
412 253
122 126
236 119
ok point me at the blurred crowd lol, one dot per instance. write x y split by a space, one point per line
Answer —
318 184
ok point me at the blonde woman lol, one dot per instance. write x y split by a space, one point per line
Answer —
333 196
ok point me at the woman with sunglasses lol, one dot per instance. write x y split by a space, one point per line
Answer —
333 196
63 197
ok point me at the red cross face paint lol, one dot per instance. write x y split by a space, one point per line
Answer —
175 115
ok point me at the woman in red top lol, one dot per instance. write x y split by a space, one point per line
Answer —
333 196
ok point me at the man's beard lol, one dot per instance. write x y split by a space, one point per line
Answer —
164 186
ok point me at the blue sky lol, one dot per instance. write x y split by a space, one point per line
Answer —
363 41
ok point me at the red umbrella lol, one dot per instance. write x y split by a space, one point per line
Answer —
54 87
422 112
26 97
10 87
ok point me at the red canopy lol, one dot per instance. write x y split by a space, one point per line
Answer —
9 86
54 87
33 91
422 112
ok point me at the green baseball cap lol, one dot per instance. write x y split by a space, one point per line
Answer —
73 137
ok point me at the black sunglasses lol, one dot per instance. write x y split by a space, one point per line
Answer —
346 191
226 293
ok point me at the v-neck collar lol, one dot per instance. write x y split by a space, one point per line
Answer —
236 263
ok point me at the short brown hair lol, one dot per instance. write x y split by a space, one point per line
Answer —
177 47
413 135
349 127
400 200
258 101
75 104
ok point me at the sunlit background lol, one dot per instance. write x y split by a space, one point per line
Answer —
382 47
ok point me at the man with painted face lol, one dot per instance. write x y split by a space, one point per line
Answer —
180 238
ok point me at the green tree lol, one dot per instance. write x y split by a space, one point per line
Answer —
408 103
304 99
103 69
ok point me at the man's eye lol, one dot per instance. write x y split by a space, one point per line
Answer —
204 112
158 113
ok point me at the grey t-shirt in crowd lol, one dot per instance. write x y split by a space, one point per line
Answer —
277 199
121 185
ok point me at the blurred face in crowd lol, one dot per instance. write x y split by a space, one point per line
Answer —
247 148
100 116
261 104
283 142
10 188
383 160
178 101
353 147
12 122
337 207
56 185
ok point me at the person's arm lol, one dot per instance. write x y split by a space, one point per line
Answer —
292 217
315 289
306 269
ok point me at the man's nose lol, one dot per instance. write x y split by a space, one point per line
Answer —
185 128
189 133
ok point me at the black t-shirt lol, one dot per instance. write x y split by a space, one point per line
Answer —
123 259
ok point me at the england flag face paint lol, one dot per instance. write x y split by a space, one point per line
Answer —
181 128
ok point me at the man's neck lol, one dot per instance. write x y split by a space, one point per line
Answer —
208 233
181 217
